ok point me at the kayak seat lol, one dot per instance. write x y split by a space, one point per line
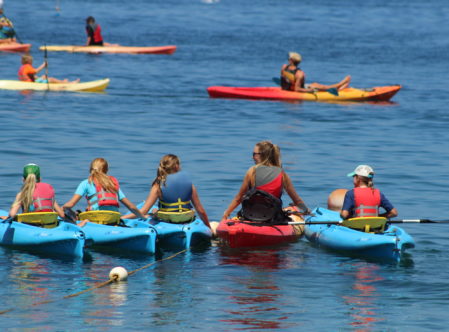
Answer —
261 206
102 217
176 217
39 219
366 224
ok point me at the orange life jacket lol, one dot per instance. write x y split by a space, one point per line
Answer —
43 197
106 198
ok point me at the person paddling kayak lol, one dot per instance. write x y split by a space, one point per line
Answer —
293 78
175 191
7 33
35 196
101 190
27 72
267 176
364 200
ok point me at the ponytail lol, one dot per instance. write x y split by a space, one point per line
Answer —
25 197
168 164
270 154
98 175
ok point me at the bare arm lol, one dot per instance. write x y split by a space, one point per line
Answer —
15 207
238 198
344 214
73 201
199 207
391 214
149 202
132 208
297 200
299 80
58 209
42 66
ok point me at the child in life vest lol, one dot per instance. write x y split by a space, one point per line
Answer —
27 73
172 185
101 190
364 200
35 196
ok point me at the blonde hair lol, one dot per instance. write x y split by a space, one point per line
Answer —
270 154
25 197
26 58
98 174
168 164
366 181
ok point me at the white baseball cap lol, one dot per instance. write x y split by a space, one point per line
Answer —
363 170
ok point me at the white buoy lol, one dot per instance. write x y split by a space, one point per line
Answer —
118 273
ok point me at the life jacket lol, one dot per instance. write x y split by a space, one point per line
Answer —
43 197
95 34
104 198
288 78
25 73
366 202
269 179
176 193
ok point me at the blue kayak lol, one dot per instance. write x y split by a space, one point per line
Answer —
178 236
64 240
173 236
134 236
388 245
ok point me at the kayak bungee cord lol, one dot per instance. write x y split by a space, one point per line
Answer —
113 277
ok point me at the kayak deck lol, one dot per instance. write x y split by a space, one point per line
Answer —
91 86
383 93
168 49
389 245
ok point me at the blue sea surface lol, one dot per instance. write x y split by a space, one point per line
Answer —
158 104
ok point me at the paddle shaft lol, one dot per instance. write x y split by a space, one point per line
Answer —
46 67
403 221
331 91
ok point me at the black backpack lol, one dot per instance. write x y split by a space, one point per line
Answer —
260 206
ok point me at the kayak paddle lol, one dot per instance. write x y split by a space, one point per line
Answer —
403 221
332 91
46 67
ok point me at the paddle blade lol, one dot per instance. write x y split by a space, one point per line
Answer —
333 91
70 215
277 80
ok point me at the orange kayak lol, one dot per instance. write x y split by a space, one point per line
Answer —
383 93
14 47
170 49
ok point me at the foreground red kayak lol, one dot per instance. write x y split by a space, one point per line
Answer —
383 93
14 47
241 234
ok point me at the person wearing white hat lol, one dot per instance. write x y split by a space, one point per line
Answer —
365 200
293 78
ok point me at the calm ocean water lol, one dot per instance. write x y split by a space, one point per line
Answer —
158 104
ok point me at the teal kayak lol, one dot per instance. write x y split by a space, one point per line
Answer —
64 240
131 236
388 245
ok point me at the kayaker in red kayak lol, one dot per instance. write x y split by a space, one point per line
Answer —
35 196
293 78
174 190
101 190
27 72
267 175
7 33
364 200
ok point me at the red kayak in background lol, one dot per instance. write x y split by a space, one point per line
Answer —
14 47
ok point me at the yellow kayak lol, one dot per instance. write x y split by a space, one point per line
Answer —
91 86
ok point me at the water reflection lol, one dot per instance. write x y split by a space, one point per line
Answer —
257 300
362 302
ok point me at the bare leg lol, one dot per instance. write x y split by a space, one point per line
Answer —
340 85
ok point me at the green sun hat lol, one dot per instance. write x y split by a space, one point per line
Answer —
32 169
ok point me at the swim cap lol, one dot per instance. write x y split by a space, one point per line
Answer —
31 169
